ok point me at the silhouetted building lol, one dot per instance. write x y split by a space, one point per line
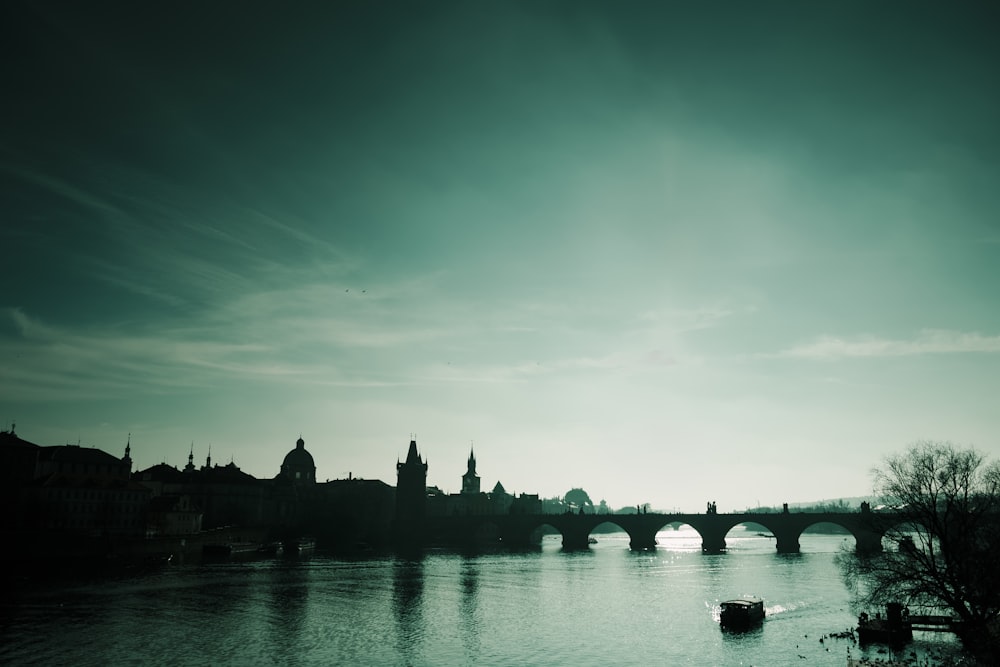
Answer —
470 480
500 499
82 462
341 514
224 494
18 463
471 501
163 479
298 465
411 498
526 503
172 515
69 489
350 514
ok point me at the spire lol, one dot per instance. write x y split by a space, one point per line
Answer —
127 459
413 460
190 466
208 459
412 456
470 480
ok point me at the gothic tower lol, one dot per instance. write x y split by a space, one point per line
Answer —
470 480
411 498
127 459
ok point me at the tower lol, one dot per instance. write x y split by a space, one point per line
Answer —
470 480
127 459
411 498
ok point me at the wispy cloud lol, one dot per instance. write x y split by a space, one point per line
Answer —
43 362
180 246
930 341
305 334
692 319
63 189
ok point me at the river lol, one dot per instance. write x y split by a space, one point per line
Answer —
603 606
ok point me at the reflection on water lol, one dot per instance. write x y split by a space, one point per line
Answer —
407 602
605 605
468 611
288 603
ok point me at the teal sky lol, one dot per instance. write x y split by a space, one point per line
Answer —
668 252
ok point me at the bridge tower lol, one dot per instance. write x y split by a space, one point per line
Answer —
411 499
470 480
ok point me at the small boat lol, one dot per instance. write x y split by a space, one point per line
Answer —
227 549
271 549
895 628
741 613
591 540
299 547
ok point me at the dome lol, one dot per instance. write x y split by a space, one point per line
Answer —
298 465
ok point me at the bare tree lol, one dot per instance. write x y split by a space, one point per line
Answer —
942 546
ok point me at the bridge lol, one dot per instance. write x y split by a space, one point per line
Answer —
524 530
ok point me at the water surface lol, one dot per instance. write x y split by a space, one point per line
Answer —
604 606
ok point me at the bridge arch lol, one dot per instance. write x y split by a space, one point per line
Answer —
538 534
751 533
527 531
897 532
827 529
678 535
606 528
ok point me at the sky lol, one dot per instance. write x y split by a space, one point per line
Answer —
666 252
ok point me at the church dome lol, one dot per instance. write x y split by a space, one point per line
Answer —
298 465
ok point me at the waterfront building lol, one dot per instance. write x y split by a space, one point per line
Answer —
70 490
340 513
500 500
172 515
472 501
526 503
351 513
224 494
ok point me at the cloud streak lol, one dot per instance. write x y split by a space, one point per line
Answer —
929 341
52 363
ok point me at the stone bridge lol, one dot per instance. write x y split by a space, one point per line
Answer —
522 530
